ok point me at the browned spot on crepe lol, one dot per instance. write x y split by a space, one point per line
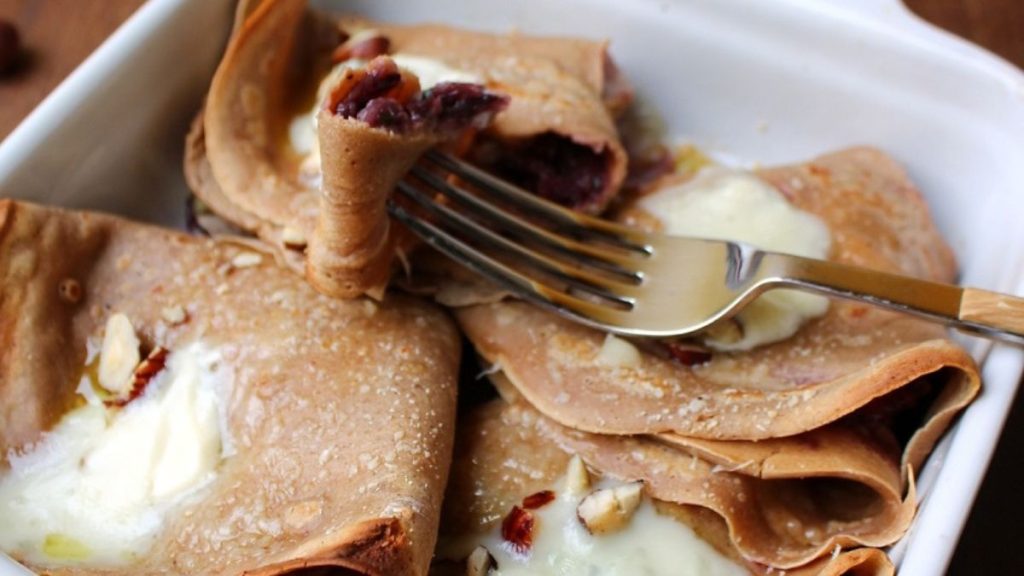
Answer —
311 375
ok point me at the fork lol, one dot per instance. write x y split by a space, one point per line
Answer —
631 282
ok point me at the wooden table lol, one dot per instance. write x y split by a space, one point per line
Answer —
60 33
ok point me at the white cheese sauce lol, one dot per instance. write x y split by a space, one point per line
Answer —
652 544
726 204
95 488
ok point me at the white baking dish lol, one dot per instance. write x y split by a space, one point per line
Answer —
765 82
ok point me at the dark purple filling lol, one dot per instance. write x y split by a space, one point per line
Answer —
386 113
379 80
454 106
448 107
554 167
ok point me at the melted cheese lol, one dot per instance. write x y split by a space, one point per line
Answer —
726 204
651 544
96 487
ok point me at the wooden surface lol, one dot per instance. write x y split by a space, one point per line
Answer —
58 34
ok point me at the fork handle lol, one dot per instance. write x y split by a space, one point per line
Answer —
1000 311
990 314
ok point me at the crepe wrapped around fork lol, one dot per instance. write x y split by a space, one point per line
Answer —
558 136
506 450
239 162
309 374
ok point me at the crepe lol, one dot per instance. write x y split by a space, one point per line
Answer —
505 451
853 402
565 94
833 366
310 375
557 135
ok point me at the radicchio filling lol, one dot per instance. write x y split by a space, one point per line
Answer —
556 168
385 97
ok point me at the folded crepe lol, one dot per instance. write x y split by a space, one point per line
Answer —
834 365
507 451
831 419
557 135
310 374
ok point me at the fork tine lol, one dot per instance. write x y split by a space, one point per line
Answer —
568 220
618 262
598 285
531 290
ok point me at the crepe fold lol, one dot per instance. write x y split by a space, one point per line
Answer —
310 374
818 430
557 134
506 450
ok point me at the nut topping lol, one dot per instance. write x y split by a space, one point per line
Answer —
686 353
142 376
119 355
517 529
609 510
293 238
538 500
480 562
577 479
617 353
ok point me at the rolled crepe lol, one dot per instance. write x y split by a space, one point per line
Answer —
832 367
310 374
564 95
506 451
559 137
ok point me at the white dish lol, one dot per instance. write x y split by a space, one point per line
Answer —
766 82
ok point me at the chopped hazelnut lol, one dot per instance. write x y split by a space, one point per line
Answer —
609 509
617 353
293 238
480 562
729 331
119 355
577 479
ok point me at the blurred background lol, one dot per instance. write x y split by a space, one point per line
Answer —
41 41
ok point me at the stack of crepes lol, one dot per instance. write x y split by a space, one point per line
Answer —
796 456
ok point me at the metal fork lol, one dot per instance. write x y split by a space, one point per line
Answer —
635 283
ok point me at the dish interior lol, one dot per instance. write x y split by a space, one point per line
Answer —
760 83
